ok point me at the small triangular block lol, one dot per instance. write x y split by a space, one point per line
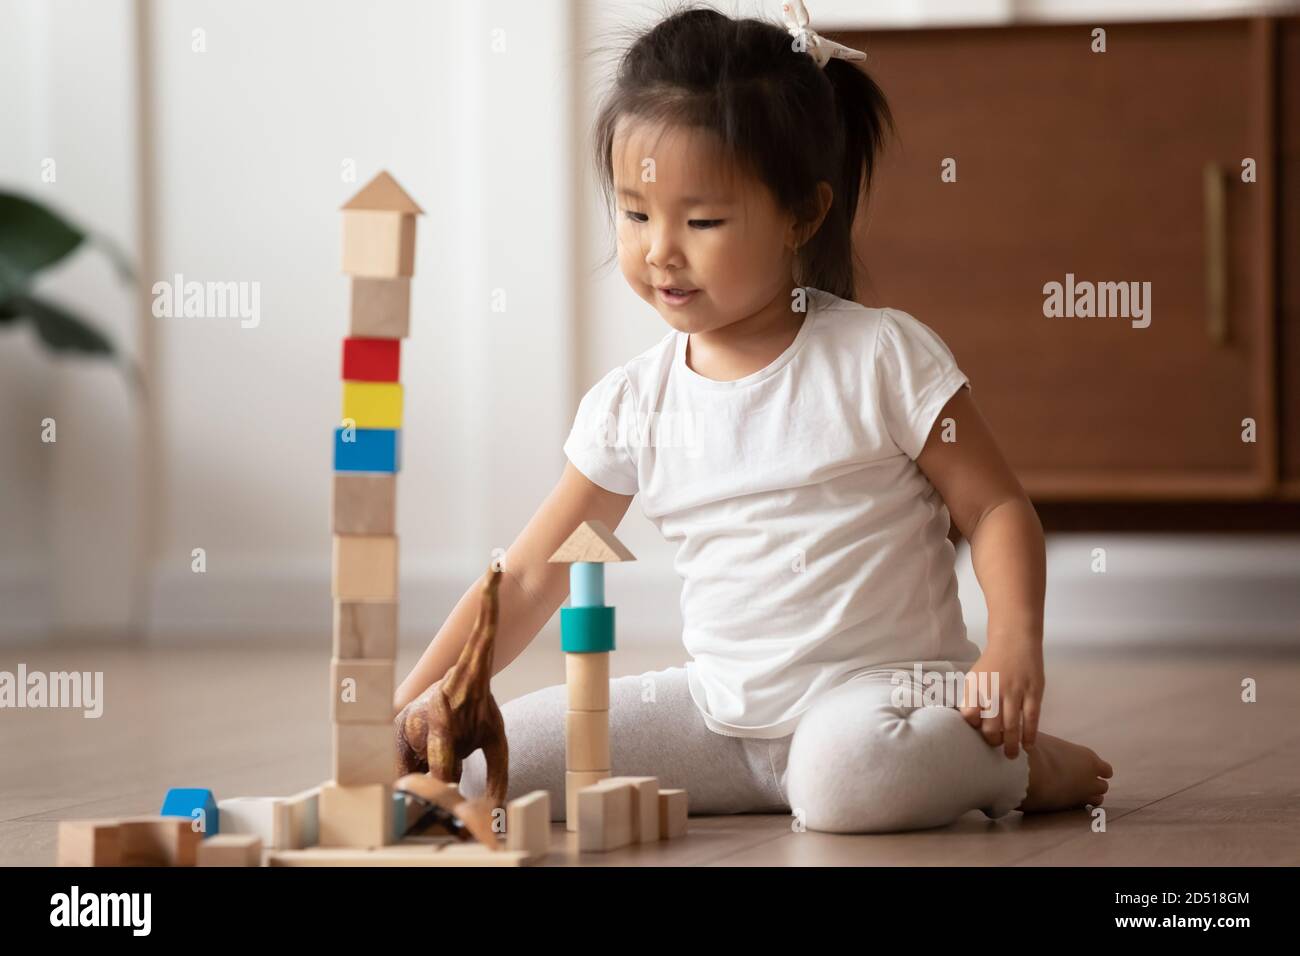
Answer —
382 194
591 541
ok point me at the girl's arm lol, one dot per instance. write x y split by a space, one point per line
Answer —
992 511
531 589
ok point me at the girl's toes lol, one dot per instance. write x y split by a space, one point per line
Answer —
1104 786
1096 800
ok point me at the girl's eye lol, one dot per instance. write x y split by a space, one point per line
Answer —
640 217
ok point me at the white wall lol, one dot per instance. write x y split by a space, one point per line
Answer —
482 111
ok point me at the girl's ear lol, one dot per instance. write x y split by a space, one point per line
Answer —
802 232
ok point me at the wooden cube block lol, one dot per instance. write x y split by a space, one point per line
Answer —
159 841
89 843
356 816
528 824
362 691
587 678
672 814
373 404
574 781
365 503
365 753
645 806
378 243
372 360
586 740
381 308
230 849
365 630
365 567
604 816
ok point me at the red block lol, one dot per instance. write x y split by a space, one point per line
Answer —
372 360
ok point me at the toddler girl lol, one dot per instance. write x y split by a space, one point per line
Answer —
819 451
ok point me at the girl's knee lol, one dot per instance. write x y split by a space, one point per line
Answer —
858 769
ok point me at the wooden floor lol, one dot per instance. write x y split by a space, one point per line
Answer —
1200 777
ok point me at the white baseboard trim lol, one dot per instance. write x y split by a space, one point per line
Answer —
1170 591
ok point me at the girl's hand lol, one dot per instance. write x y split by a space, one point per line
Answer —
1016 692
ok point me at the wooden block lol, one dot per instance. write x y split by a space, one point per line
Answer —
591 541
645 806
368 449
528 824
365 753
586 740
378 244
373 404
159 841
587 678
263 817
365 567
604 816
301 820
381 308
362 691
413 851
372 360
574 781
672 814
356 816
230 849
89 843
364 503
365 630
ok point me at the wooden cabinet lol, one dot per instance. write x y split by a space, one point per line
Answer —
1073 165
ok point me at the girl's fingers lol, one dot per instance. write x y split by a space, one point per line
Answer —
991 728
1029 722
1011 724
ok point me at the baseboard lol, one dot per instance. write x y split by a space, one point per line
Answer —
1183 591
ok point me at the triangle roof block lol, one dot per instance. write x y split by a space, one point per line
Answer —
591 541
383 193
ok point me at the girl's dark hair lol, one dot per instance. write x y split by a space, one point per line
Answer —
776 112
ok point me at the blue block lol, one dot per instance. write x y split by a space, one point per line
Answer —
586 584
184 801
375 449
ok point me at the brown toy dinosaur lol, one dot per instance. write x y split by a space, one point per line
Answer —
457 715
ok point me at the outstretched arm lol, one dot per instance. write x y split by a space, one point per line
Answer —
531 589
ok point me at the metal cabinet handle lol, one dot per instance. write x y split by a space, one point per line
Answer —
1216 253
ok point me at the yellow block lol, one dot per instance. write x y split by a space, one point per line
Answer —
373 404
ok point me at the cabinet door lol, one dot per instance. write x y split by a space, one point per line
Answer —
1091 165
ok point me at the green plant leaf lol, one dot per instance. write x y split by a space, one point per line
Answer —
60 329
32 237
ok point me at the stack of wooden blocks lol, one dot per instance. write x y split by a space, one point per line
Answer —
356 806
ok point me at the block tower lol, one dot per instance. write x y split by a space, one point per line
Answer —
356 805
587 637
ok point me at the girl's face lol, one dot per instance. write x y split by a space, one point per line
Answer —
686 222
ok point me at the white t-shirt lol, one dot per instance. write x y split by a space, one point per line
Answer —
811 546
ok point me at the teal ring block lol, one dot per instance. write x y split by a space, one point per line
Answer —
586 630
586 584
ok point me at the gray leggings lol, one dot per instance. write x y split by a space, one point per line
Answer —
859 761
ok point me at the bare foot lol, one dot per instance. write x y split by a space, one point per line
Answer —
1063 776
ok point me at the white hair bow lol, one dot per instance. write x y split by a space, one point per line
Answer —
810 41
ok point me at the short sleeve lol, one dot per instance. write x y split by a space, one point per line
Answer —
916 375
597 443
